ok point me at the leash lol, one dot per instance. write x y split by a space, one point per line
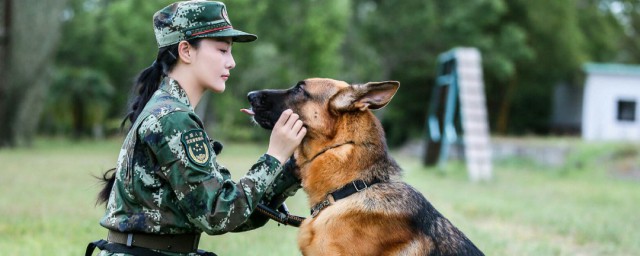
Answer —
281 215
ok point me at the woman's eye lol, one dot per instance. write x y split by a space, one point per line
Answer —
224 50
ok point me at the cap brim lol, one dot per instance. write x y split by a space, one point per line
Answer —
236 35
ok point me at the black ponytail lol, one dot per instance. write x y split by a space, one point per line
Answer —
149 79
145 86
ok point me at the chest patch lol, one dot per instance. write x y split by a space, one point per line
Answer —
196 146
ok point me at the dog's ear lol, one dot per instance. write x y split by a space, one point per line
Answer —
372 95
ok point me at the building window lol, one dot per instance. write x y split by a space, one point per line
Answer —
627 110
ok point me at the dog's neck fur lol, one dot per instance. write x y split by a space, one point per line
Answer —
330 162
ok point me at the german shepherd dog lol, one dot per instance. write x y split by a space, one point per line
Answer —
359 204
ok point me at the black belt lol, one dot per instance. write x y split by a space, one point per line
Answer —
180 243
132 250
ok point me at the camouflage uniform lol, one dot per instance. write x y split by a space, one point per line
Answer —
168 180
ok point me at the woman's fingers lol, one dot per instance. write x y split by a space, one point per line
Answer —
284 117
301 134
287 134
298 126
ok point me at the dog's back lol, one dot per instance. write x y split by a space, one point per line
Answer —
446 238
387 218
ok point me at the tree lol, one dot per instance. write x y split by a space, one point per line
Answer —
563 35
527 47
114 37
408 37
296 40
78 102
628 12
29 40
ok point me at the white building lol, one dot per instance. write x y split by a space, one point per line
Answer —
610 102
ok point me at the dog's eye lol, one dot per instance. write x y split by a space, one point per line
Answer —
299 89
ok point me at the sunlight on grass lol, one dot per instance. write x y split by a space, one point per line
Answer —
48 196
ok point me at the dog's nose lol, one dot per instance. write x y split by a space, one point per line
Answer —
256 99
252 96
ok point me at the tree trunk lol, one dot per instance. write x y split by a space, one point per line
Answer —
5 24
32 30
502 125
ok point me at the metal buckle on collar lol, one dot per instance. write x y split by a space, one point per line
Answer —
355 184
318 207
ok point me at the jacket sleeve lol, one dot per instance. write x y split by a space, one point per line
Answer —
205 193
284 186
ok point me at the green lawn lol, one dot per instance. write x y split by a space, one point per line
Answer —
47 196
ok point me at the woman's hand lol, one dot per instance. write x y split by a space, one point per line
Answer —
286 135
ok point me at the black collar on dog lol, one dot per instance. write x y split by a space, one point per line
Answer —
345 191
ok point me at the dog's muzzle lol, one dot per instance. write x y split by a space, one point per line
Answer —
261 110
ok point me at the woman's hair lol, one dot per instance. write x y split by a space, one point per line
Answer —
149 79
144 87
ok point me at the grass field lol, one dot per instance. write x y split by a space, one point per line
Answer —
47 196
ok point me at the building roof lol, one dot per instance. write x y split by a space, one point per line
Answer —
612 69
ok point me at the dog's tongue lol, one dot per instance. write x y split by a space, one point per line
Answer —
247 111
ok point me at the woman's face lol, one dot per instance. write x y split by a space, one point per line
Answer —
212 62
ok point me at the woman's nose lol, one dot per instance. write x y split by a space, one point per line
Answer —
231 63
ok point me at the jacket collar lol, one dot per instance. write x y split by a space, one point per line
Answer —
174 89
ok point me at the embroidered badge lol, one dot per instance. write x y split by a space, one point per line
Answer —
196 146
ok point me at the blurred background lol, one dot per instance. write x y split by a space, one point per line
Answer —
67 68
68 65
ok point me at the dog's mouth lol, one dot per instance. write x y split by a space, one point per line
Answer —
260 117
265 107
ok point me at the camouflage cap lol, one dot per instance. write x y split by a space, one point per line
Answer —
195 19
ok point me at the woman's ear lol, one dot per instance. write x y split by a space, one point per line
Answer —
184 51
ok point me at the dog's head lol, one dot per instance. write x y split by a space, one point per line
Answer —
342 133
319 102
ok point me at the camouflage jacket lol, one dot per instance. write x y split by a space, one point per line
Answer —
168 180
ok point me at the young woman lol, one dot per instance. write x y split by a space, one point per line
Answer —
167 187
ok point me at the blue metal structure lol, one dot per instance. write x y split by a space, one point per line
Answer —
443 119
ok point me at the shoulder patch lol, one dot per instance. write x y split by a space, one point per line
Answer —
196 146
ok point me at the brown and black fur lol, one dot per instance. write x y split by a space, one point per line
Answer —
345 142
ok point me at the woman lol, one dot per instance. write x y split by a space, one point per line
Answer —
167 187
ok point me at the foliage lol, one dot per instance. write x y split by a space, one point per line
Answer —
28 39
628 12
79 102
527 48
292 46
111 36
